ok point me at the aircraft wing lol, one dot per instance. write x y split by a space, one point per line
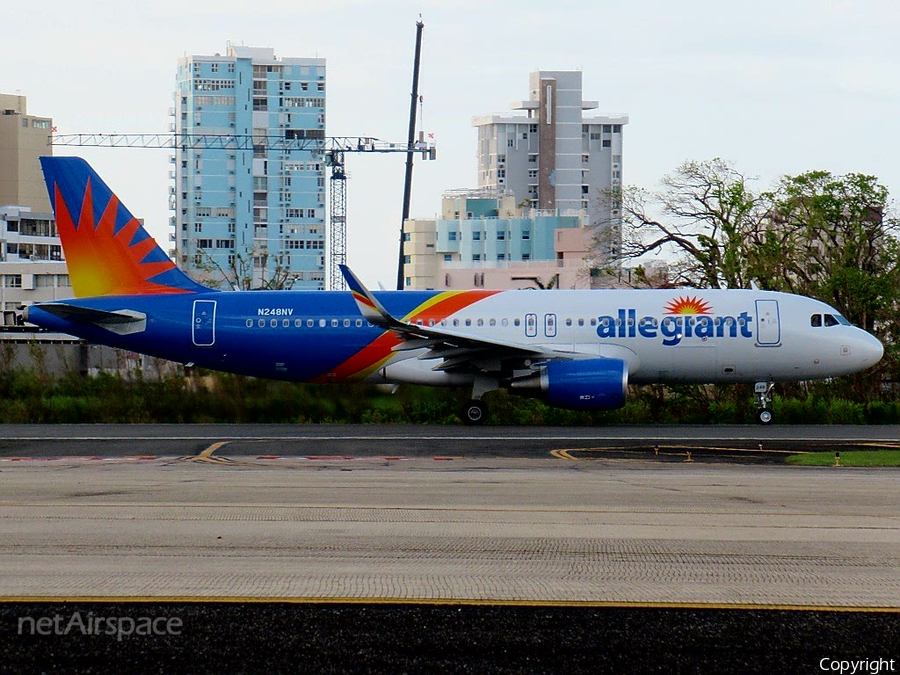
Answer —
457 351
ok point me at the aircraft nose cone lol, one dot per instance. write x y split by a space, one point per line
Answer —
871 350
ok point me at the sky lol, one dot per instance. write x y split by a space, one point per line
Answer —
776 86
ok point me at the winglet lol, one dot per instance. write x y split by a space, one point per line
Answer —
368 305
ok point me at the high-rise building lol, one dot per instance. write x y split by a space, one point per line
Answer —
23 139
250 214
555 159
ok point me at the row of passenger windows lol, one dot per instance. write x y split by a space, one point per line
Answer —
606 321
310 323
358 323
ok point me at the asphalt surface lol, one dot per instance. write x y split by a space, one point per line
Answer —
713 443
634 561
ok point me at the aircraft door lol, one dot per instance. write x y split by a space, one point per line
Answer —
768 325
531 325
203 327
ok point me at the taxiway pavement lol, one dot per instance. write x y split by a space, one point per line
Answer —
224 515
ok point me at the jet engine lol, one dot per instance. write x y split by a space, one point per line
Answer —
587 384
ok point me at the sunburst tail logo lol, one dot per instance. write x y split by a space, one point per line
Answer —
688 305
107 250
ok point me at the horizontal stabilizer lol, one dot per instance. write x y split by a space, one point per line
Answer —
122 321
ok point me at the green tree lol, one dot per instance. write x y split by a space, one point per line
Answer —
830 237
707 213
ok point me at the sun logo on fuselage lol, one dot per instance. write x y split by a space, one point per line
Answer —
688 305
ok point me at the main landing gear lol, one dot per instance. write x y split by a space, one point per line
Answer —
475 412
764 414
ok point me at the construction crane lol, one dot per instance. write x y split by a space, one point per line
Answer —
332 148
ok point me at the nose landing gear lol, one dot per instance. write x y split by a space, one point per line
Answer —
763 390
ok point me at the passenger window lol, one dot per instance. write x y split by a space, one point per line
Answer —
346 323
359 323
815 320
261 323
273 323
468 322
493 322
321 323
249 323
480 322
310 323
285 323
830 320
504 322
298 323
455 322
580 322
517 322
334 323
430 323
568 322
593 322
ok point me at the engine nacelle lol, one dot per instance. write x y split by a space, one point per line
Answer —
589 384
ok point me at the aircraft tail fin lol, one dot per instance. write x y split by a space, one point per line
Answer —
107 250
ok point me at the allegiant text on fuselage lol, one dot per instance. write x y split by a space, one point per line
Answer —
672 329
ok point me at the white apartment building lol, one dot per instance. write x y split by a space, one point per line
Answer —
31 260
555 158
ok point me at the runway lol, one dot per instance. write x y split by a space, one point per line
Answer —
329 514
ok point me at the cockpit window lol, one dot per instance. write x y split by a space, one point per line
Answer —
815 320
842 320
830 320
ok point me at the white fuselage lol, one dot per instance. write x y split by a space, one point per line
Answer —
665 336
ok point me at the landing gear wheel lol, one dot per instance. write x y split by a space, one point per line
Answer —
764 416
475 412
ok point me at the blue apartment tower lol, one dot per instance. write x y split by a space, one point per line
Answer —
249 180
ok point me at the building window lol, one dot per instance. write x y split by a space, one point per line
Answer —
448 257
451 235
532 159
526 235
476 236
476 257
607 143
13 281
501 235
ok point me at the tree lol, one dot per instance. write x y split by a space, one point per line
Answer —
830 237
708 215
843 241
247 270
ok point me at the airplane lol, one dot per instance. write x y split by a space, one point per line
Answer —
577 349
